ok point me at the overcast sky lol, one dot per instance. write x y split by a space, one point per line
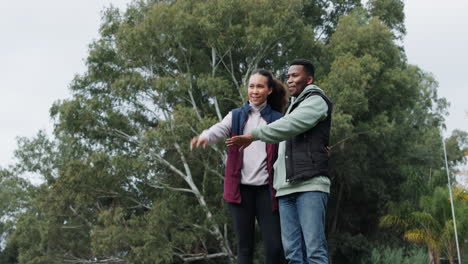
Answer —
44 43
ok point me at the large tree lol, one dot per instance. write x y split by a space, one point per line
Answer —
120 183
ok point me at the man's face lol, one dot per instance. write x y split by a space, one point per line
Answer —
297 79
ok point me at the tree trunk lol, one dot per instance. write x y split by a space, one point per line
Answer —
215 229
434 257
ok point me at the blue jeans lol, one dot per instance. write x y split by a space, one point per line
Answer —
302 217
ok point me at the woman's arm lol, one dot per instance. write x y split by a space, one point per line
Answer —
215 133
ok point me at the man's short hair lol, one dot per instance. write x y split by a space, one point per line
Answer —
307 64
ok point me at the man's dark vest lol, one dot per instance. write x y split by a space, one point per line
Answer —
306 154
232 175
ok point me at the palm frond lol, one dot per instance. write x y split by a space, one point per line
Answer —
420 236
425 220
393 221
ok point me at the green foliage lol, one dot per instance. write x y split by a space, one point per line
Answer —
397 255
13 194
389 12
120 183
433 226
457 146
14 198
386 140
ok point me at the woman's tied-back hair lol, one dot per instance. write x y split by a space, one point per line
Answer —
277 99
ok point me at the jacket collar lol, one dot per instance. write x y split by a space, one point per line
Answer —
265 111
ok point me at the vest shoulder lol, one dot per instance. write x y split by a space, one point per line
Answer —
237 110
276 115
312 93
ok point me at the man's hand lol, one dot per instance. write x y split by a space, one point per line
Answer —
242 141
197 141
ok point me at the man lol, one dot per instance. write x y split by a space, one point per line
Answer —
301 170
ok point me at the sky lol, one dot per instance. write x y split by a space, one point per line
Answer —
437 41
44 43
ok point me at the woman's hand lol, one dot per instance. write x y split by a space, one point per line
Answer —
242 141
197 141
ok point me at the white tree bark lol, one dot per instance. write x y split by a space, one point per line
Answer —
186 175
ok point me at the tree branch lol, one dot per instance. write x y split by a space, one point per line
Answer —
81 217
164 186
107 260
171 167
347 138
194 257
218 112
139 203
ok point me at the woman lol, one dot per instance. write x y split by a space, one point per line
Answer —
248 177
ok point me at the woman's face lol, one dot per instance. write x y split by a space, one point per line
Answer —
258 89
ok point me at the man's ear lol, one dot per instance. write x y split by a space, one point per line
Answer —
310 80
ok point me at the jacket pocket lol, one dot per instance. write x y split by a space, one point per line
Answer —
319 160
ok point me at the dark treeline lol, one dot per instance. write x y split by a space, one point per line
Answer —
121 185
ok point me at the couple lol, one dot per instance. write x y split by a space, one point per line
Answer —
261 176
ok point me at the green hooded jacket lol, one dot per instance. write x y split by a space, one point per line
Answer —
311 111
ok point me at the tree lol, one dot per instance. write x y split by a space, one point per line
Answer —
120 179
432 227
14 198
386 117
120 183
